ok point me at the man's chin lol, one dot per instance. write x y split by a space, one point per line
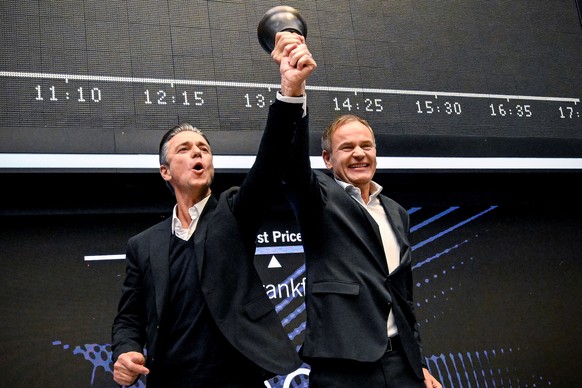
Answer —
360 179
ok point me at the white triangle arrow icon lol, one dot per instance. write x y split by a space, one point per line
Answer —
274 263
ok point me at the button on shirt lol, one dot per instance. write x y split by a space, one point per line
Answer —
195 211
389 242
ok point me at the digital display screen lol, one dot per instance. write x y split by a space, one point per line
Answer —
484 81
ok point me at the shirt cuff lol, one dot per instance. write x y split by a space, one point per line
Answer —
294 100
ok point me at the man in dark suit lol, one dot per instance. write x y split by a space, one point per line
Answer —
193 311
361 328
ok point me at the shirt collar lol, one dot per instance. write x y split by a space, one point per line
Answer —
194 212
375 187
375 190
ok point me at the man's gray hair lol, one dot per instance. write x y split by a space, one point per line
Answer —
163 152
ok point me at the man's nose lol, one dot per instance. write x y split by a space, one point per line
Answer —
359 152
195 152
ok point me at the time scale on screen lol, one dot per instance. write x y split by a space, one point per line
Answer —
68 91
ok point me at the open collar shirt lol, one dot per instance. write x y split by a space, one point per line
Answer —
195 211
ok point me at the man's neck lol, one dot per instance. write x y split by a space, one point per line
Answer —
186 201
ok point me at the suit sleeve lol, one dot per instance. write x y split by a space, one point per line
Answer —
129 325
410 299
273 157
299 182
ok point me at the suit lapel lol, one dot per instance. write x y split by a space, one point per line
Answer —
397 227
373 244
381 254
160 263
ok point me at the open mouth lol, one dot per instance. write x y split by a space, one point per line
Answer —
359 165
198 167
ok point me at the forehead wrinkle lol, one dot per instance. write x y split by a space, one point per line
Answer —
197 141
355 142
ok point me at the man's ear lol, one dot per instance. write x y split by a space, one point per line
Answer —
327 159
165 172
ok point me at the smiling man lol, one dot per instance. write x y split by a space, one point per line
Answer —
361 328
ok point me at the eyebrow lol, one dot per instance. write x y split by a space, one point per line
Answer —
354 143
190 142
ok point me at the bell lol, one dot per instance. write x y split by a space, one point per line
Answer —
277 19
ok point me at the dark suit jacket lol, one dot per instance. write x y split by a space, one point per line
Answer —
349 291
225 247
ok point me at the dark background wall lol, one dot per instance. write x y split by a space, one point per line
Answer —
497 252
497 268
